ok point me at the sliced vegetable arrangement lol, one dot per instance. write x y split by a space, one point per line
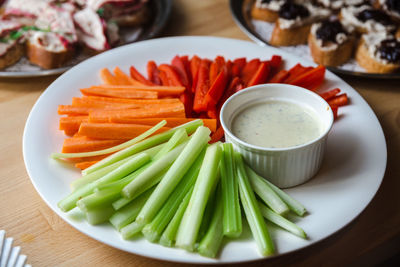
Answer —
126 105
178 190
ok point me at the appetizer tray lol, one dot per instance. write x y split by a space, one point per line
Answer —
260 32
350 176
161 11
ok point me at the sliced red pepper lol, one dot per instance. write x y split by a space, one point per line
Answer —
261 75
311 79
249 70
296 71
135 74
216 67
275 64
340 100
202 86
240 63
217 135
153 73
194 70
235 85
330 94
335 111
217 89
164 79
186 63
229 65
279 77
187 100
180 69
172 75
212 113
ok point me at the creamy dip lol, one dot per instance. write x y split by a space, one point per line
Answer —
277 124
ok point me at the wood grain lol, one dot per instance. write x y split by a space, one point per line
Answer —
374 237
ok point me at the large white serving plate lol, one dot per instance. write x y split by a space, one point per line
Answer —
348 180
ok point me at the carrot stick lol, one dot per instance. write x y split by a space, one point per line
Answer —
171 122
124 79
85 164
79 144
70 125
82 110
330 94
107 77
135 74
340 100
114 131
161 90
217 135
112 100
99 91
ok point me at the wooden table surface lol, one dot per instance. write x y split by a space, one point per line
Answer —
374 237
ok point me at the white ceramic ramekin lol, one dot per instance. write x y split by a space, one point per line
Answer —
285 167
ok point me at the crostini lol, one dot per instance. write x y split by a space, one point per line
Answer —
266 10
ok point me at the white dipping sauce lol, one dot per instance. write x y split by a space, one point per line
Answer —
277 124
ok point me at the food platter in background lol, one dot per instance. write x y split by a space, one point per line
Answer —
260 31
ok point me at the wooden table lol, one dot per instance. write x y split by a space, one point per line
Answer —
374 237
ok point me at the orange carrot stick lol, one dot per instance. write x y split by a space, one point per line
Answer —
85 164
70 125
124 79
134 94
330 94
339 100
114 131
101 99
85 144
107 77
82 110
161 90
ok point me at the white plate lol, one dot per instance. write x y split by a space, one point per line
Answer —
350 176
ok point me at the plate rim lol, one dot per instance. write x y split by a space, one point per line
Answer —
206 260
240 21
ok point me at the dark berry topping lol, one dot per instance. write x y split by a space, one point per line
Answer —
329 29
393 5
376 15
266 1
390 50
291 11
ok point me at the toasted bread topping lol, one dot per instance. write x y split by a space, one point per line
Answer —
293 15
392 7
273 5
337 4
383 47
48 40
91 29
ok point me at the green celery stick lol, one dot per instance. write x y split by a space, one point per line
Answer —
281 221
99 215
93 176
174 174
147 177
252 211
149 142
98 199
207 216
131 230
179 137
211 242
69 202
111 149
128 214
154 229
205 184
230 193
264 191
168 237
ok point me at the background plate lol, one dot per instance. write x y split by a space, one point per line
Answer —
240 10
161 10
350 176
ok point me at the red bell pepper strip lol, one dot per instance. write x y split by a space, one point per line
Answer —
296 71
261 75
216 67
217 135
172 75
163 78
180 69
275 64
213 113
335 111
194 70
187 100
235 85
240 63
217 89
279 77
202 86
153 73
186 63
340 100
249 70
135 74
330 94
311 79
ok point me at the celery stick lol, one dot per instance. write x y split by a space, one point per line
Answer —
252 211
69 202
147 177
99 215
207 216
154 229
98 199
211 242
131 230
281 221
149 142
174 175
91 177
205 183
111 149
128 214
264 191
179 137
230 193
292 203
168 237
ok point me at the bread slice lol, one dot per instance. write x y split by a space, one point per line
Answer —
140 17
290 36
370 64
12 55
46 59
264 14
